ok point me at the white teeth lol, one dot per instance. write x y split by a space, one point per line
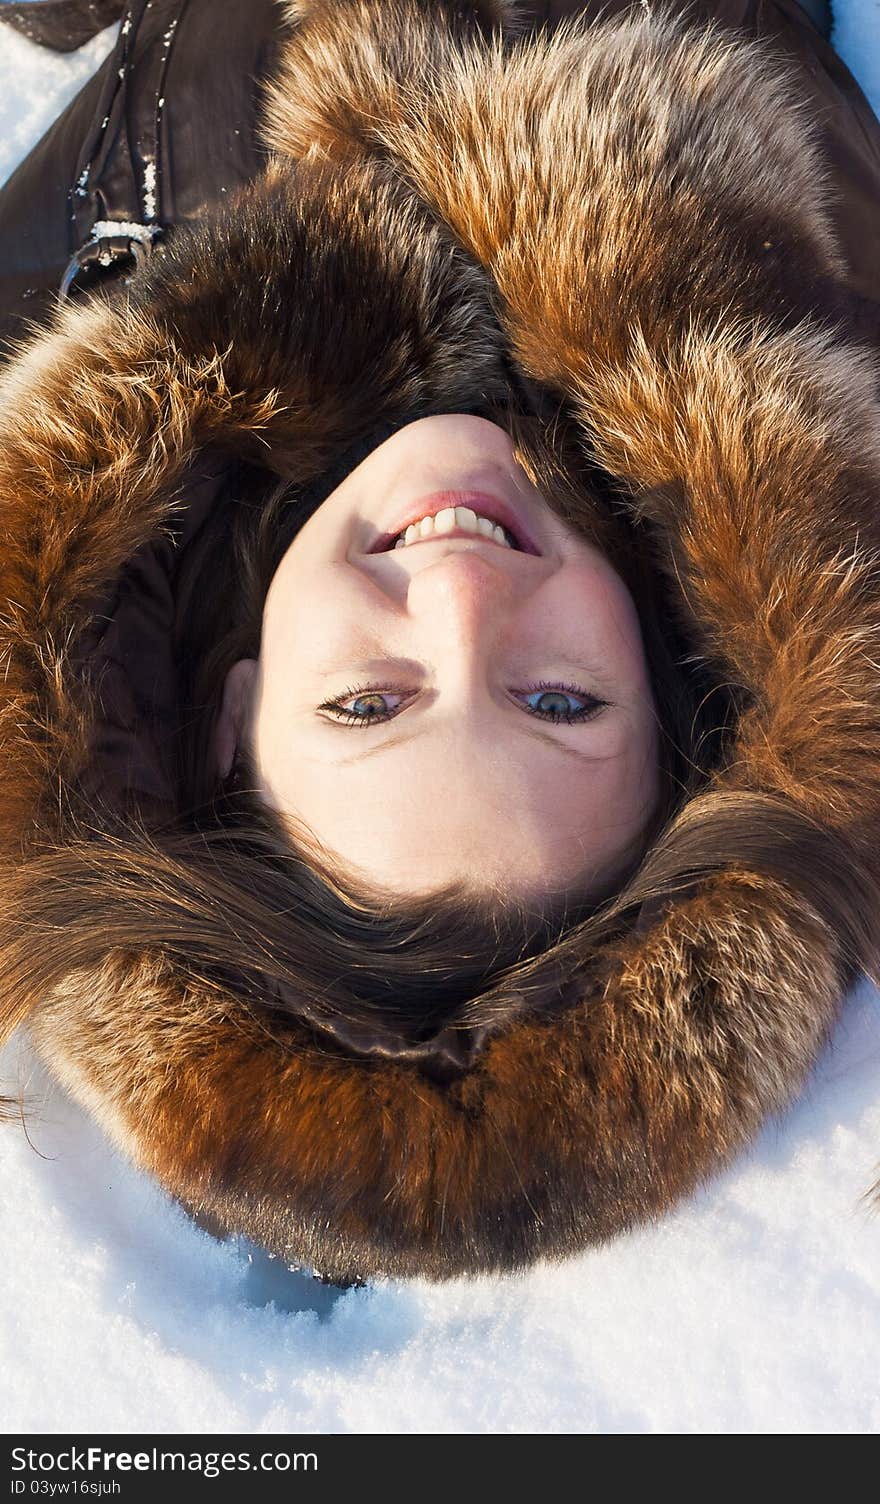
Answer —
462 518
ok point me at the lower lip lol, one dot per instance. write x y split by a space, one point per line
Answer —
479 501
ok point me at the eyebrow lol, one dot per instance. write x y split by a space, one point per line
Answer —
400 741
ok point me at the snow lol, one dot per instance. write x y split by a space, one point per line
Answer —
37 85
755 1308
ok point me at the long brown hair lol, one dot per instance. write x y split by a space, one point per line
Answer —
227 893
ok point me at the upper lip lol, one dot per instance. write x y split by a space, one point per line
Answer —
484 503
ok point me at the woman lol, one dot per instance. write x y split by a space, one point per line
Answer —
515 986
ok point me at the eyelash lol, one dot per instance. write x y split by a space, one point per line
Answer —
348 718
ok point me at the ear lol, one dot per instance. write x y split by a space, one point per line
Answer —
235 710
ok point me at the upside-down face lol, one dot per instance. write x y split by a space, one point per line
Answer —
452 681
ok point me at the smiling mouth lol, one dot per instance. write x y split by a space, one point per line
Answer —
459 536
458 514
449 535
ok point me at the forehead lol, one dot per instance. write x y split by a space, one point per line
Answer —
430 811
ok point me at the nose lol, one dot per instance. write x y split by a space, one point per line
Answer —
462 593
459 608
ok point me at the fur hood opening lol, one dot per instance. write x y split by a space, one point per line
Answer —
412 247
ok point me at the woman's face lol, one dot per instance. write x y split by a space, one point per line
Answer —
453 708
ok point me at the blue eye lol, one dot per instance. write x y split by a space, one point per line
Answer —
558 708
369 704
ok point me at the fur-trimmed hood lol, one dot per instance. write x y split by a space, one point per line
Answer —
631 216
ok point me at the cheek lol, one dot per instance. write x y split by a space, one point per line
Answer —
593 599
309 608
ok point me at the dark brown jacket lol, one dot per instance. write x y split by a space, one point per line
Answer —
683 252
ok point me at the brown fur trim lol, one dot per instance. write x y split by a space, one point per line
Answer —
474 15
687 312
384 47
566 1134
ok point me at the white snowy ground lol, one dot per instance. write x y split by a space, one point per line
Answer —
756 1308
